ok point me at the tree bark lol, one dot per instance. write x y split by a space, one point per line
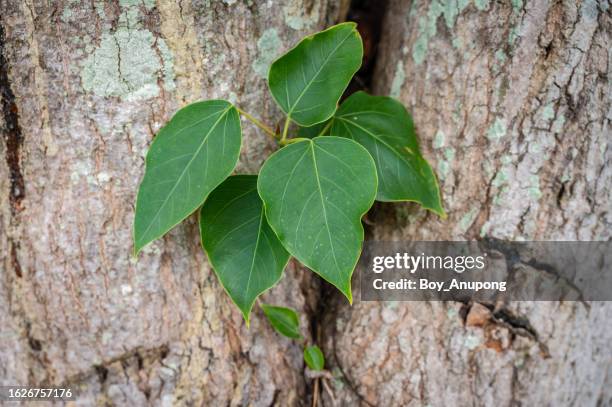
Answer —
85 86
512 106
511 102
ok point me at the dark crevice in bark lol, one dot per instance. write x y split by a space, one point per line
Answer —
13 140
503 317
275 401
513 258
13 137
518 324
102 373
15 260
369 17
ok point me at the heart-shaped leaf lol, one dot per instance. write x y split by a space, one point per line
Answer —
307 81
383 126
314 358
284 320
315 193
189 157
245 253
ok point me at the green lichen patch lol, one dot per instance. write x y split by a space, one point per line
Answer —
500 56
443 169
444 165
558 124
127 64
269 47
466 220
398 80
452 8
497 130
534 187
500 179
548 112
439 139
517 5
427 29
512 35
471 342
427 24
481 5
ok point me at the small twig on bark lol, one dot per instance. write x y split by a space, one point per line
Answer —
315 395
329 391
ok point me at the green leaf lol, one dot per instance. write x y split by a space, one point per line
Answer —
189 157
314 358
383 126
307 81
315 193
245 253
284 320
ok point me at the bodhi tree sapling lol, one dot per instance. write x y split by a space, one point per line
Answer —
309 197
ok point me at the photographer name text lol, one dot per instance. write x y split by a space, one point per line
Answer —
405 262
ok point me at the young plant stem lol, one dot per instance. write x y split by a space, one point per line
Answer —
285 131
293 140
327 126
268 130
315 395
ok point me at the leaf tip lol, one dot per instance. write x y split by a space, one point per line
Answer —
348 294
136 250
246 313
438 210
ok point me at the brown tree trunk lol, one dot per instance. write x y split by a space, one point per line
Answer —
512 106
511 102
85 86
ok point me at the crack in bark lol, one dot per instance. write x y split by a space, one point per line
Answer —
102 369
13 137
513 258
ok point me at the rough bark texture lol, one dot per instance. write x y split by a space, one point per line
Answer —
85 86
512 103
